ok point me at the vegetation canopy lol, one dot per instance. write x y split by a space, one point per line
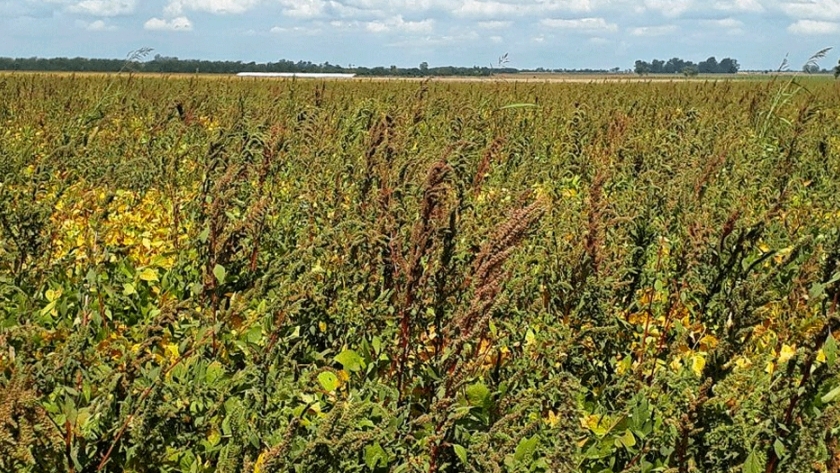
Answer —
238 275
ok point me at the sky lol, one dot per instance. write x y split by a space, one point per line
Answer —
555 34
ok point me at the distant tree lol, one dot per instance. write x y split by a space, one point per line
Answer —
657 66
709 66
690 71
677 65
424 67
811 69
728 66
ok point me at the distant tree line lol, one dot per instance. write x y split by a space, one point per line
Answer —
677 66
163 64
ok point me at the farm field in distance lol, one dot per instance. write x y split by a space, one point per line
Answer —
235 275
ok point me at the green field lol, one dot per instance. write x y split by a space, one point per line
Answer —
230 275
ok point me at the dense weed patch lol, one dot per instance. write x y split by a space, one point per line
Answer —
235 275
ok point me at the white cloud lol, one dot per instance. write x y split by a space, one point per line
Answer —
296 30
739 5
814 9
729 26
729 23
180 23
103 7
423 43
582 24
397 23
98 25
653 30
219 7
505 9
304 8
812 27
393 24
669 8
494 24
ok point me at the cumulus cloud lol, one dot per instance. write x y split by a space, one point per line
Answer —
98 25
653 30
397 23
219 7
724 23
581 24
393 24
669 8
180 23
504 9
304 8
103 7
813 10
813 27
494 24
739 5
296 30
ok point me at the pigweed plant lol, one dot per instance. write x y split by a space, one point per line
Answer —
234 275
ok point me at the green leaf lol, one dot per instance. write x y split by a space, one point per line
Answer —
375 456
129 289
148 275
215 370
460 452
779 448
526 448
754 463
350 360
478 395
832 395
627 440
816 290
518 105
830 350
328 381
220 273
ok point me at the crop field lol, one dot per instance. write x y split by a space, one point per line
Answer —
201 275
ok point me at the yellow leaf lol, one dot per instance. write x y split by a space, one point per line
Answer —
552 419
322 326
697 364
171 351
786 353
676 364
624 365
821 356
596 423
708 342
771 367
258 464
743 363
149 275
53 295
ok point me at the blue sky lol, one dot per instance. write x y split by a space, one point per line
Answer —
535 33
